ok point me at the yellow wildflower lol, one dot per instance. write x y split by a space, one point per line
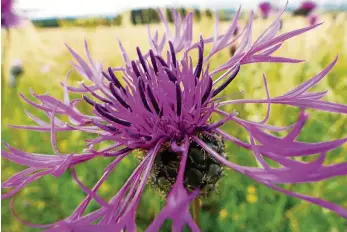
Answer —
223 213
40 204
63 145
251 189
105 187
251 198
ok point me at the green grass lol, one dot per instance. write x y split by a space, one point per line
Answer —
239 204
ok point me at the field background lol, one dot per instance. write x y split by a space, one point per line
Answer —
239 204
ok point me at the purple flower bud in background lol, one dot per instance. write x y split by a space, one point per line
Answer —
45 68
305 8
8 16
160 104
313 19
265 9
308 5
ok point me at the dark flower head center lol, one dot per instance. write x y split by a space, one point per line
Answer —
201 171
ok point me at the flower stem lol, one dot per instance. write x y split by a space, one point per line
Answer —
196 210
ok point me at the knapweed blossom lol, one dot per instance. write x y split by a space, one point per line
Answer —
265 9
8 16
305 8
312 19
164 110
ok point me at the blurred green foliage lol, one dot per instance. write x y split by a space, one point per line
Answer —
239 204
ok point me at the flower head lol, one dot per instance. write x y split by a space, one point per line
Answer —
164 110
16 71
305 8
312 19
8 16
265 9
308 5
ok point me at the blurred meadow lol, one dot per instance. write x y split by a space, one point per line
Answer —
238 204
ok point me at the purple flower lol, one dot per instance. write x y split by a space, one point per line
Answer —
265 9
8 17
305 8
308 5
164 111
312 19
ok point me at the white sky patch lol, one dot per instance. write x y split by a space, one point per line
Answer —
65 8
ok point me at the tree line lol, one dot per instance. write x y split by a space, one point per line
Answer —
82 22
150 15
137 17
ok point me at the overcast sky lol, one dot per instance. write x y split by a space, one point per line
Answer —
59 8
